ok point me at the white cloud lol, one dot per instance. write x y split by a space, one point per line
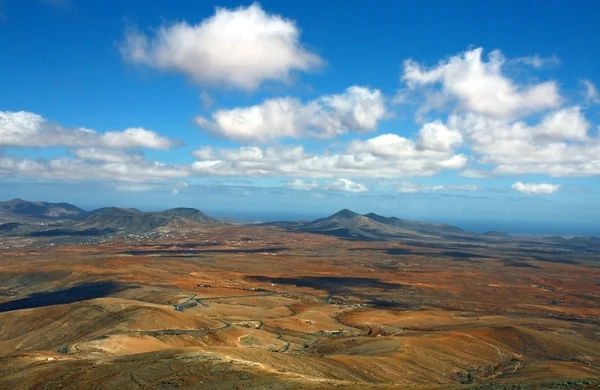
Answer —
474 173
559 145
436 136
535 189
586 168
481 86
135 138
456 187
387 155
410 187
72 169
564 124
107 155
492 122
298 184
28 129
358 108
135 187
240 47
591 92
151 186
345 185
493 117
536 61
402 151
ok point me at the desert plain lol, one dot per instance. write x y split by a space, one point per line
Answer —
237 307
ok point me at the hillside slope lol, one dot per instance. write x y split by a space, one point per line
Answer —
188 214
19 208
349 224
121 219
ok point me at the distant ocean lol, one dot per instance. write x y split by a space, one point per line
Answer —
561 228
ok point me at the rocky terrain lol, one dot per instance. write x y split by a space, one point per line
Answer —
194 303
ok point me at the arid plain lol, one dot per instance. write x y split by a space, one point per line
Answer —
258 307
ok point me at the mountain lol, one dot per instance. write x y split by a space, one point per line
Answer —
583 243
344 218
121 220
369 227
188 214
125 220
19 208
43 219
347 223
555 239
417 226
6 216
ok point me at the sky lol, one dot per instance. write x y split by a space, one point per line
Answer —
485 115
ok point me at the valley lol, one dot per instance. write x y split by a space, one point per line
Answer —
224 306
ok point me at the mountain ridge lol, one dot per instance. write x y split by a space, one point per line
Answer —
19 217
187 213
41 210
374 227
51 219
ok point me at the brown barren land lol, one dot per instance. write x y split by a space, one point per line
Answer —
253 307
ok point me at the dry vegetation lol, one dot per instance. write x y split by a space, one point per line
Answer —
250 307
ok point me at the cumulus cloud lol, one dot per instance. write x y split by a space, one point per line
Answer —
436 136
135 138
298 184
402 151
29 129
494 117
356 109
590 92
345 185
489 117
240 48
387 155
559 145
535 189
481 86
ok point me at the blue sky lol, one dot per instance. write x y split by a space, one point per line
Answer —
460 111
